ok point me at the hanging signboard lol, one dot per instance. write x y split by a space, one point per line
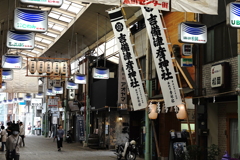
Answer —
159 4
57 90
190 32
20 100
71 85
195 6
71 94
128 59
186 49
30 20
53 104
162 57
80 79
39 95
51 3
12 61
9 101
7 74
233 17
20 40
4 86
50 92
27 97
100 73
122 84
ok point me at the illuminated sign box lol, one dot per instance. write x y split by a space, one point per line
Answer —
4 86
189 32
50 92
30 20
232 13
71 85
12 61
39 95
7 74
100 73
186 62
220 74
79 79
52 3
20 100
57 90
20 40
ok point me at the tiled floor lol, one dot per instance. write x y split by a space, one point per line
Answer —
41 148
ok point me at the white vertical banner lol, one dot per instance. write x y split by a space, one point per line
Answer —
162 57
122 84
128 59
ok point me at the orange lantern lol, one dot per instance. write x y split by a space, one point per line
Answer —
182 114
152 114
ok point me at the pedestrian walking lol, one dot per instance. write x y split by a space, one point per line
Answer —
59 136
3 137
13 143
22 132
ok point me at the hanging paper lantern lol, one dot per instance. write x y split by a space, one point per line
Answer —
48 67
182 114
63 68
40 67
32 66
152 114
56 67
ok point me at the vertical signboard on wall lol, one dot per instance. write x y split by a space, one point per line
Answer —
51 3
162 57
128 60
30 20
122 84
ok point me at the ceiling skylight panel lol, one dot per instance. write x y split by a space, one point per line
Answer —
58 28
50 25
65 5
77 5
35 52
114 60
62 18
40 47
46 41
53 15
37 38
73 9
52 35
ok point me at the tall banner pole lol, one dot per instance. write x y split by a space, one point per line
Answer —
128 59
